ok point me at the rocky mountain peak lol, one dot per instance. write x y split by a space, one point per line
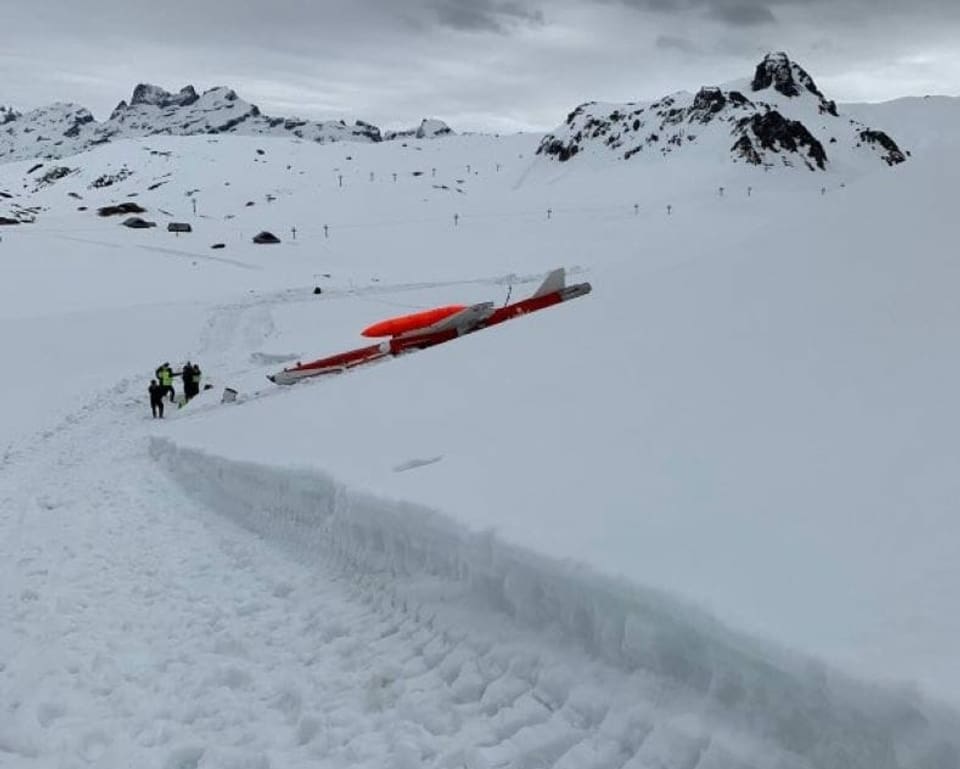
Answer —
429 128
788 78
152 95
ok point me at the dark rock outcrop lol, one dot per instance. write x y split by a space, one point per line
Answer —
265 237
788 78
892 153
54 174
122 208
80 119
707 103
136 223
108 180
772 131
145 93
429 128
559 149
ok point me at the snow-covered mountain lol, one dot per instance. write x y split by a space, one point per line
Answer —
429 128
779 117
64 129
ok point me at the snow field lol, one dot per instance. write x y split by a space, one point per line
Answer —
807 323
438 561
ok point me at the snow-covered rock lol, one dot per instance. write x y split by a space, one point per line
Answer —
429 128
780 117
157 97
789 79
432 128
66 129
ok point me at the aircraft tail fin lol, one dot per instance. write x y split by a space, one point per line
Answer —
555 281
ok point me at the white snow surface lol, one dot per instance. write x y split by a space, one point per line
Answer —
702 517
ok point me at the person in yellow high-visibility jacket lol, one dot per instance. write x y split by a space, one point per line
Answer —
165 377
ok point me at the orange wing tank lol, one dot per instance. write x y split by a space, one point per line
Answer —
412 322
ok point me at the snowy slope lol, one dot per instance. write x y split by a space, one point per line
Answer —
922 122
700 517
779 118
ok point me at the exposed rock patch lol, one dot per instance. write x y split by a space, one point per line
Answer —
429 128
122 208
892 154
265 237
108 180
773 132
136 223
53 175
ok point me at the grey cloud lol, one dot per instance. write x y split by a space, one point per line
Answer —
742 14
738 13
752 13
393 62
484 15
464 17
673 43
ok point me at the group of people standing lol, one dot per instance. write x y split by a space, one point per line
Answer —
162 386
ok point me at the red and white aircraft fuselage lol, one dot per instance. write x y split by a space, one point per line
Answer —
428 328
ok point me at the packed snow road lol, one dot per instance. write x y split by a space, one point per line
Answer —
143 630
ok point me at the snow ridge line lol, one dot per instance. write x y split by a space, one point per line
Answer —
802 713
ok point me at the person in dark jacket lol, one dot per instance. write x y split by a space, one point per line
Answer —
191 380
156 399
195 380
187 374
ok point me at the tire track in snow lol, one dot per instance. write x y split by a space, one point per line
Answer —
144 630
507 629
165 251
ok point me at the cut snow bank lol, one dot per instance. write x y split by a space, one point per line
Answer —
787 710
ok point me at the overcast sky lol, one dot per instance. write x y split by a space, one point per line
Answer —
478 64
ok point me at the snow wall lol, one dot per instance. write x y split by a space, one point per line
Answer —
790 710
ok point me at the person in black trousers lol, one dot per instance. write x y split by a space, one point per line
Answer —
187 374
156 398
